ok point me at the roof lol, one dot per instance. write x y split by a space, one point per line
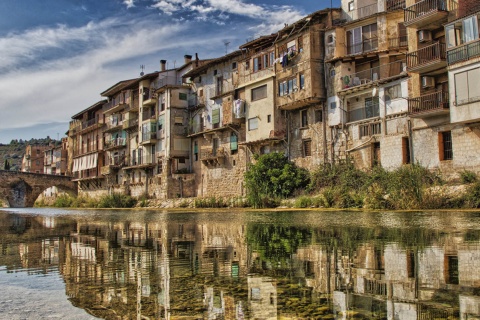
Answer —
117 87
95 106
211 62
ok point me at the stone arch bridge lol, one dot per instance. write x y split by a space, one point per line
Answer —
21 189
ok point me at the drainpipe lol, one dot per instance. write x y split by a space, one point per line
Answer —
324 124
410 141
287 120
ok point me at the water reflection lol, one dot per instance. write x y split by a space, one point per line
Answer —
323 265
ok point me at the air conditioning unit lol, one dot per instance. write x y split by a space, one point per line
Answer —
428 82
424 35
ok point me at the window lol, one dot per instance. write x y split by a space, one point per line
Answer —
216 118
161 122
307 148
332 73
470 29
269 118
233 143
406 150
291 46
393 92
195 150
300 44
330 39
252 123
182 96
178 121
333 105
234 65
466 86
304 118
263 61
259 93
318 115
351 6
445 145
215 144
302 81
287 86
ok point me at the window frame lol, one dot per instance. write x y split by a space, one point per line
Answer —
259 89
252 121
304 118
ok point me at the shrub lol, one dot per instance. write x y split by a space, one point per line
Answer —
116 200
271 178
472 197
468 176
64 201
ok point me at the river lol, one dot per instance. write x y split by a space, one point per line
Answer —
153 264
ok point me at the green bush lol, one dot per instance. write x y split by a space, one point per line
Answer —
64 201
116 200
468 176
472 196
271 178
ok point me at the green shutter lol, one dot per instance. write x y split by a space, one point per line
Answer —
182 96
216 116
233 142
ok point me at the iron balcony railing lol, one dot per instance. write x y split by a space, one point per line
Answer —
426 55
381 72
464 52
423 7
211 153
130 123
90 123
117 142
114 122
120 99
167 81
361 47
370 111
429 102
148 159
148 114
117 161
395 5
363 12
146 136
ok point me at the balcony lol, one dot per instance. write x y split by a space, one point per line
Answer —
148 114
393 5
370 111
210 156
257 76
130 124
167 81
429 105
427 59
114 124
143 161
149 138
91 124
397 43
363 12
463 53
113 163
196 101
118 103
116 143
218 91
366 78
149 97
427 12
365 46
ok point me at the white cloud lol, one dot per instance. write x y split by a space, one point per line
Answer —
129 3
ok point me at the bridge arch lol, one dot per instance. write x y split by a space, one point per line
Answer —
21 189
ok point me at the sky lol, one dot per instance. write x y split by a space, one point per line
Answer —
56 56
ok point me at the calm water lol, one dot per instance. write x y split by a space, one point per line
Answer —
74 264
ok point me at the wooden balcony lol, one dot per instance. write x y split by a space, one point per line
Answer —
398 42
463 53
209 156
429 105
427 12
427 59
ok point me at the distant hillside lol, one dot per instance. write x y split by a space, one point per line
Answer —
15 151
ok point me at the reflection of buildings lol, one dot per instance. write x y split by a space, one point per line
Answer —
167 266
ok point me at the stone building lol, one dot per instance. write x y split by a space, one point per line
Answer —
442 58
33 159
85 150
367 84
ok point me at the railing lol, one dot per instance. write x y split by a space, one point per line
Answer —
114 123
148 94
167 81
117 161
381 72
89 173
464 52
398 42
429 102
211 154
117 142
423 7
86 148
142 160
149 114
130 123
90 123
258 75
361 47
216 91
363 12
395 5
149 136
426 55
120 99
371 111
194 100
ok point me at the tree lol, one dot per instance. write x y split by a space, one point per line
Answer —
7 165
273 177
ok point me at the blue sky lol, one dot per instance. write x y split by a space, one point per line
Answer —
56 56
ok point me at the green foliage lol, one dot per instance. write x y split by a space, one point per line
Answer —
472 197
468 176
271 178
116 200
211 202
64 201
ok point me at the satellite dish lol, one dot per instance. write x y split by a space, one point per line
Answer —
374 92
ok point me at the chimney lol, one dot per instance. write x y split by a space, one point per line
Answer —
162 65
196 59
187 58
